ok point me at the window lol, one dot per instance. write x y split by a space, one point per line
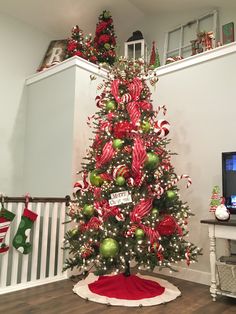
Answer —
178 40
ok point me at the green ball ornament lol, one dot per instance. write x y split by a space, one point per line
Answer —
95 178
110 105
109 248
155 211
120 181
74 231
107 46
171 195
145 126
117 143
139 233
88 210
152 161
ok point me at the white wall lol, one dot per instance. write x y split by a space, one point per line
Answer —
201 110
22 49
154 27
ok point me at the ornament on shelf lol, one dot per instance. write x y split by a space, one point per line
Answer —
81 46
215 198
222 213
173 59
135 47
154 58
105 39
203 42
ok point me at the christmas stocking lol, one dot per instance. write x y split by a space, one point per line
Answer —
6 218
19 241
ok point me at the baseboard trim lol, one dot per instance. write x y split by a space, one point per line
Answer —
187 274
31 284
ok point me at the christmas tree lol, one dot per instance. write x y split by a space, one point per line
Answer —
81 46
154 59
128 206
105 39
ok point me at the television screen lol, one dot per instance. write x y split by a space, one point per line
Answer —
229 180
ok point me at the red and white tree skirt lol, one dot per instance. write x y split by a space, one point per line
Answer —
134 290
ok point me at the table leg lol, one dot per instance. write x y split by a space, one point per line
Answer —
213 266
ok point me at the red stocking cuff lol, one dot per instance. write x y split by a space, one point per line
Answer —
29 214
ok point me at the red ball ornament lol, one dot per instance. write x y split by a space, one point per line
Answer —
122 129
167 226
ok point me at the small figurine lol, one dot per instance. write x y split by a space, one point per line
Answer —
222 213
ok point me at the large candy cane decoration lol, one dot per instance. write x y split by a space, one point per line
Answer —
177 179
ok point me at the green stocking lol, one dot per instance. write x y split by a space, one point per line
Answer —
19 241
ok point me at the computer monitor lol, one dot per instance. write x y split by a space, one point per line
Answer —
229 180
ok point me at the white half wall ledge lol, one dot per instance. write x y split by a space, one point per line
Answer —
66 64
197 59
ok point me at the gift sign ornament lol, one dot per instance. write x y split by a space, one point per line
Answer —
119 198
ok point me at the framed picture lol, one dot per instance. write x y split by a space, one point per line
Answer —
55 54
228 33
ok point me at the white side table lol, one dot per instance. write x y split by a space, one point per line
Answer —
224 230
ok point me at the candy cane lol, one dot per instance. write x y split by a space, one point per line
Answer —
187 256
90 118
163 107
177 179
100 86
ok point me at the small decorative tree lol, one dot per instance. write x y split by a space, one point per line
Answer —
81 46
154 58
105 39
215 198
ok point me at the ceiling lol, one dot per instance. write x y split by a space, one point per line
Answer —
56 17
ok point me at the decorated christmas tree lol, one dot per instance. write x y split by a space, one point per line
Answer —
81 46
128 207
105 39
154 58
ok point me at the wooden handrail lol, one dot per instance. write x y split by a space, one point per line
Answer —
22 199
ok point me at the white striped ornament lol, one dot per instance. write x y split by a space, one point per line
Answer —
161 128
